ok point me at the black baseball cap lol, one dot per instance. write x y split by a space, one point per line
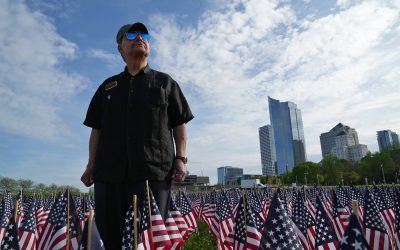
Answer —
130 28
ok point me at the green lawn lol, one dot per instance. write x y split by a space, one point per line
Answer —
200 240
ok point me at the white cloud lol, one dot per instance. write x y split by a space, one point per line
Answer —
33 83
111 59
337 68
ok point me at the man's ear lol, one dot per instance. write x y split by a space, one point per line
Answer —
119 48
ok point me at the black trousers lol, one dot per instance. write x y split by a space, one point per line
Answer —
112 200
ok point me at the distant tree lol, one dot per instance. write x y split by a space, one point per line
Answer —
372 164
40 187
8 184
25 184
331 169
351 173
305 171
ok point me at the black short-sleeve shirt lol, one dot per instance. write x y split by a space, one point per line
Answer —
136 115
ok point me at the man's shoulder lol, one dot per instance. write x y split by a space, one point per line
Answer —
163 77
112 78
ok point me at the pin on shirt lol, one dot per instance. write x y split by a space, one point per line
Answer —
110 85
109 97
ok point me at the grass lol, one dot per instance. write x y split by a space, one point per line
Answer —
200 240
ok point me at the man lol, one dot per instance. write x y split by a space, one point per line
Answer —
136 117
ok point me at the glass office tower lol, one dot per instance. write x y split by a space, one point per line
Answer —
267 150
387 139
287 126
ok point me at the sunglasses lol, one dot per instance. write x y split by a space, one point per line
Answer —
132 36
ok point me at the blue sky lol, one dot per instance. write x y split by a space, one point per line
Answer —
339 61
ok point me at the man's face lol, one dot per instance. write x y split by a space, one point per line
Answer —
137 47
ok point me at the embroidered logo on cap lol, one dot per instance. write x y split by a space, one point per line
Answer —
110 85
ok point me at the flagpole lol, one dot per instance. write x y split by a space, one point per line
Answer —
16 208
354 205
67 247
244 206
135 236
90 229
148 201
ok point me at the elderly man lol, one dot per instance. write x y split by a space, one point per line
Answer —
138 133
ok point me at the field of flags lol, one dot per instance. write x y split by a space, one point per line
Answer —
342 217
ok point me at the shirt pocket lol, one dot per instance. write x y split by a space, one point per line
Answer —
157 96
156 113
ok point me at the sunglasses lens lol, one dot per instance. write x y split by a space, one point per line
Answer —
131 36
145 37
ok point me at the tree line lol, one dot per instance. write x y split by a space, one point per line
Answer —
379 167
14 185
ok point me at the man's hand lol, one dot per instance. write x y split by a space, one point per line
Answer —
179 172
87 177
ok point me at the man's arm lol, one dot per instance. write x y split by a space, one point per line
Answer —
180 138
87 177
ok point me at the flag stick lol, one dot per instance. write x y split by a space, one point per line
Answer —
354 205
68 219
90 229
244 209
135 236
148 201
16 207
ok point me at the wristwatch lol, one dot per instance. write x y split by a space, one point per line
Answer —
183 159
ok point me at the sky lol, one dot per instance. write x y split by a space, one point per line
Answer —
339 61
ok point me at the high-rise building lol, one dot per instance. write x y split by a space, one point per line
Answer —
342 142
229 175
387 139
287 128
267 150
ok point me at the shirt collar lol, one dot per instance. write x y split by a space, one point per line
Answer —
146 70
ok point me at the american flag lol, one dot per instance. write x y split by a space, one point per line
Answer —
80 211
173 232
397 217
234 201
356 195
41 214
343 196
340 216
27 231
153 233
256 204
209 214
300 218
385 210
48 227
246 234
224 216
376 233
96 243
187 212
6 214
178 218
74 230
353 237
128 239
325 235
10 240
19 205
278 232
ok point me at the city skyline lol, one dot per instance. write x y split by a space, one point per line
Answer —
336 59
